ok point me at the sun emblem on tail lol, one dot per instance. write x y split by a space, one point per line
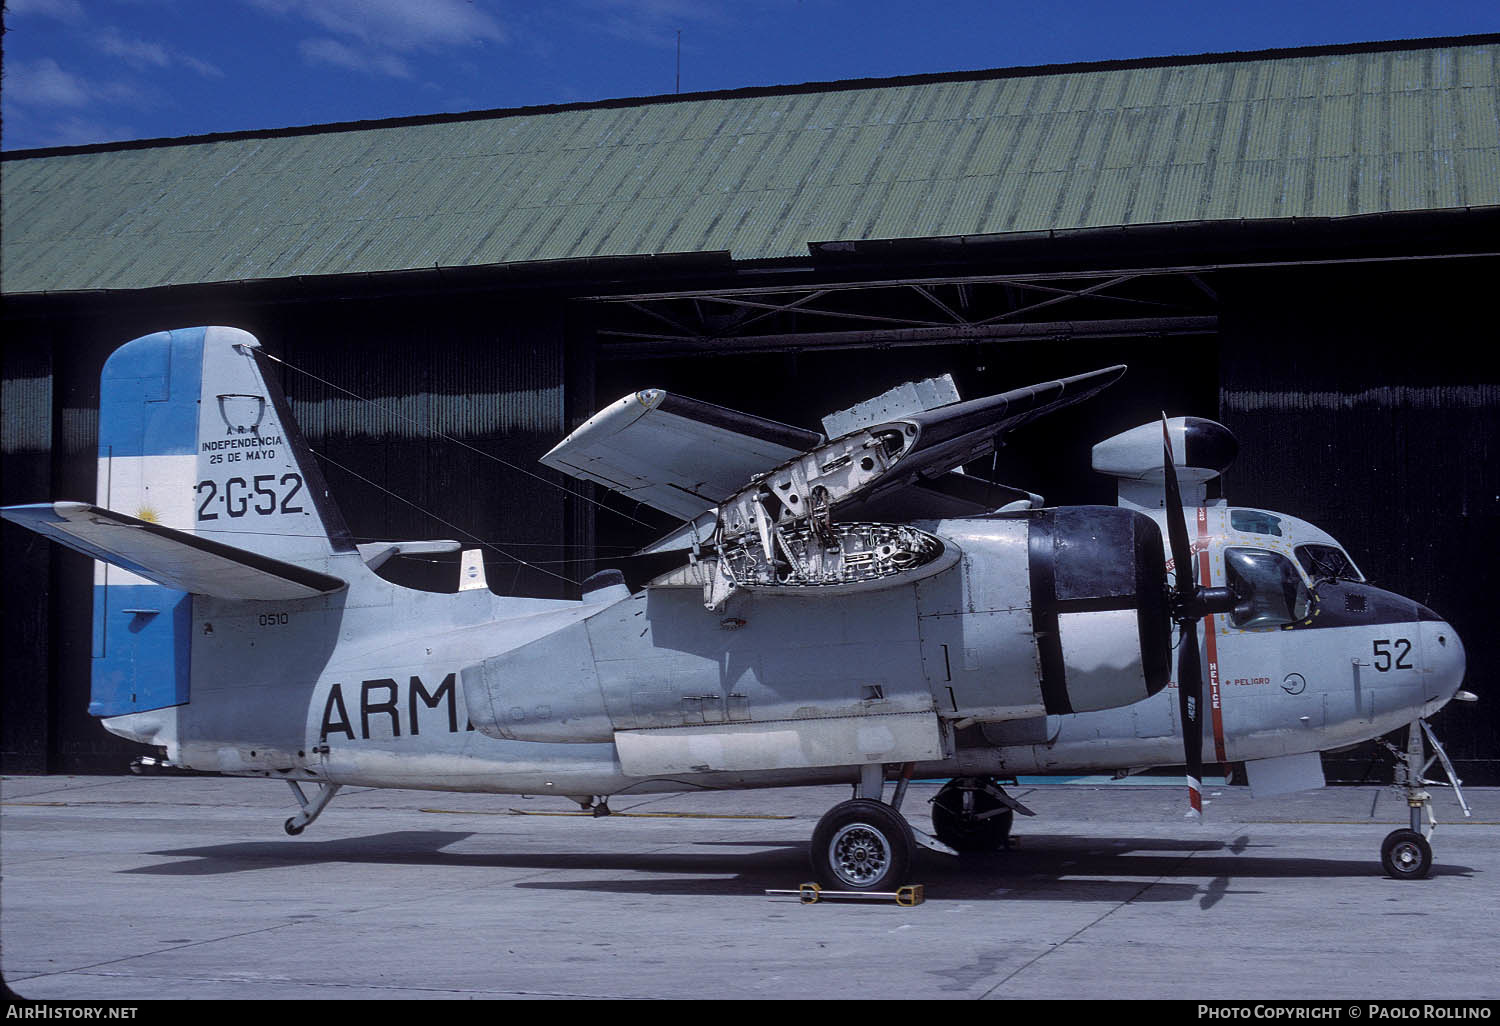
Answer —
148 514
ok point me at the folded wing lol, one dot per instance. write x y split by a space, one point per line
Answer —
697 461
676 454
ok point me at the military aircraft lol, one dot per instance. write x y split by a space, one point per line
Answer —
850 607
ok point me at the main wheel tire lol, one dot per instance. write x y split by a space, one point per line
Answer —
964 830
862 845
1406 855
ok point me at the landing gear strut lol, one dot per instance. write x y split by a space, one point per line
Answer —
311 808
1407 854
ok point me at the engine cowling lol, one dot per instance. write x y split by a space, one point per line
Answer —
1073 599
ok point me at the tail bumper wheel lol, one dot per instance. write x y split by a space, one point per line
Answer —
862 845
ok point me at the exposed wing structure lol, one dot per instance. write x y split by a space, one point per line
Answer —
170 557
773 506
675 454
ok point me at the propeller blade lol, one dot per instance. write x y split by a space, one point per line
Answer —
1189 661
1177 536
1190 704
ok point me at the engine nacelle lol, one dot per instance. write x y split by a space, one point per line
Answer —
1072 600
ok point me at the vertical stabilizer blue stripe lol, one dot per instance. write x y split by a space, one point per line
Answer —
148 406
146 658
148 395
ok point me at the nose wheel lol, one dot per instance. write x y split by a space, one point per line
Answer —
1406 855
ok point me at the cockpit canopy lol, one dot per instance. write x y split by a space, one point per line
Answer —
1268 586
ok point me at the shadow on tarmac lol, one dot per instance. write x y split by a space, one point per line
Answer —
1039 868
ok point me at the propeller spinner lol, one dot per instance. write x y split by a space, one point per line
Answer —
1189 604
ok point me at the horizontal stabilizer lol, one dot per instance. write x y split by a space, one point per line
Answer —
170 557
375 554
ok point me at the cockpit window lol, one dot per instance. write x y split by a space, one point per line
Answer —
1268 590
1253 521
1327 563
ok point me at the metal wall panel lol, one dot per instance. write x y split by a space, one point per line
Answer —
26 419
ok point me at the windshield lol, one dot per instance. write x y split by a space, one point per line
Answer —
1267 588
1327 563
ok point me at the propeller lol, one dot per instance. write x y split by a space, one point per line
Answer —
1189 604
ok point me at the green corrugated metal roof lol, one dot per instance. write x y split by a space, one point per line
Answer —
762 174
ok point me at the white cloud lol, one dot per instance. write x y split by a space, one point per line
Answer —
396 25
63 10
138 53
203 68
335 54
145 55
374 36
45 83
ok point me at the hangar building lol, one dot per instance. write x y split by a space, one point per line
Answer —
1299 243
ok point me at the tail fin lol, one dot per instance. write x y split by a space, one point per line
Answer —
194 435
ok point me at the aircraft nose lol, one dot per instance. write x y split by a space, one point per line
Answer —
1444 658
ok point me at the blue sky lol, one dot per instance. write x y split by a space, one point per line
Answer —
84 71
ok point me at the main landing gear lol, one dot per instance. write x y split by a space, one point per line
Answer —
974 814
1407 854
865 844
862 845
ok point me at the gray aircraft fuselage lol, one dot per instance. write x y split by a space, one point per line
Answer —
374 685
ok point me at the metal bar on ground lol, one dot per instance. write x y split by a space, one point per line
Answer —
812 894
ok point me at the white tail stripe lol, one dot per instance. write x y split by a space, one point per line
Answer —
157 489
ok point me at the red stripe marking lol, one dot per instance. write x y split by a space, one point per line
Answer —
1210 641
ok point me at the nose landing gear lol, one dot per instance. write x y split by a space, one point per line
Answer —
1407 854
